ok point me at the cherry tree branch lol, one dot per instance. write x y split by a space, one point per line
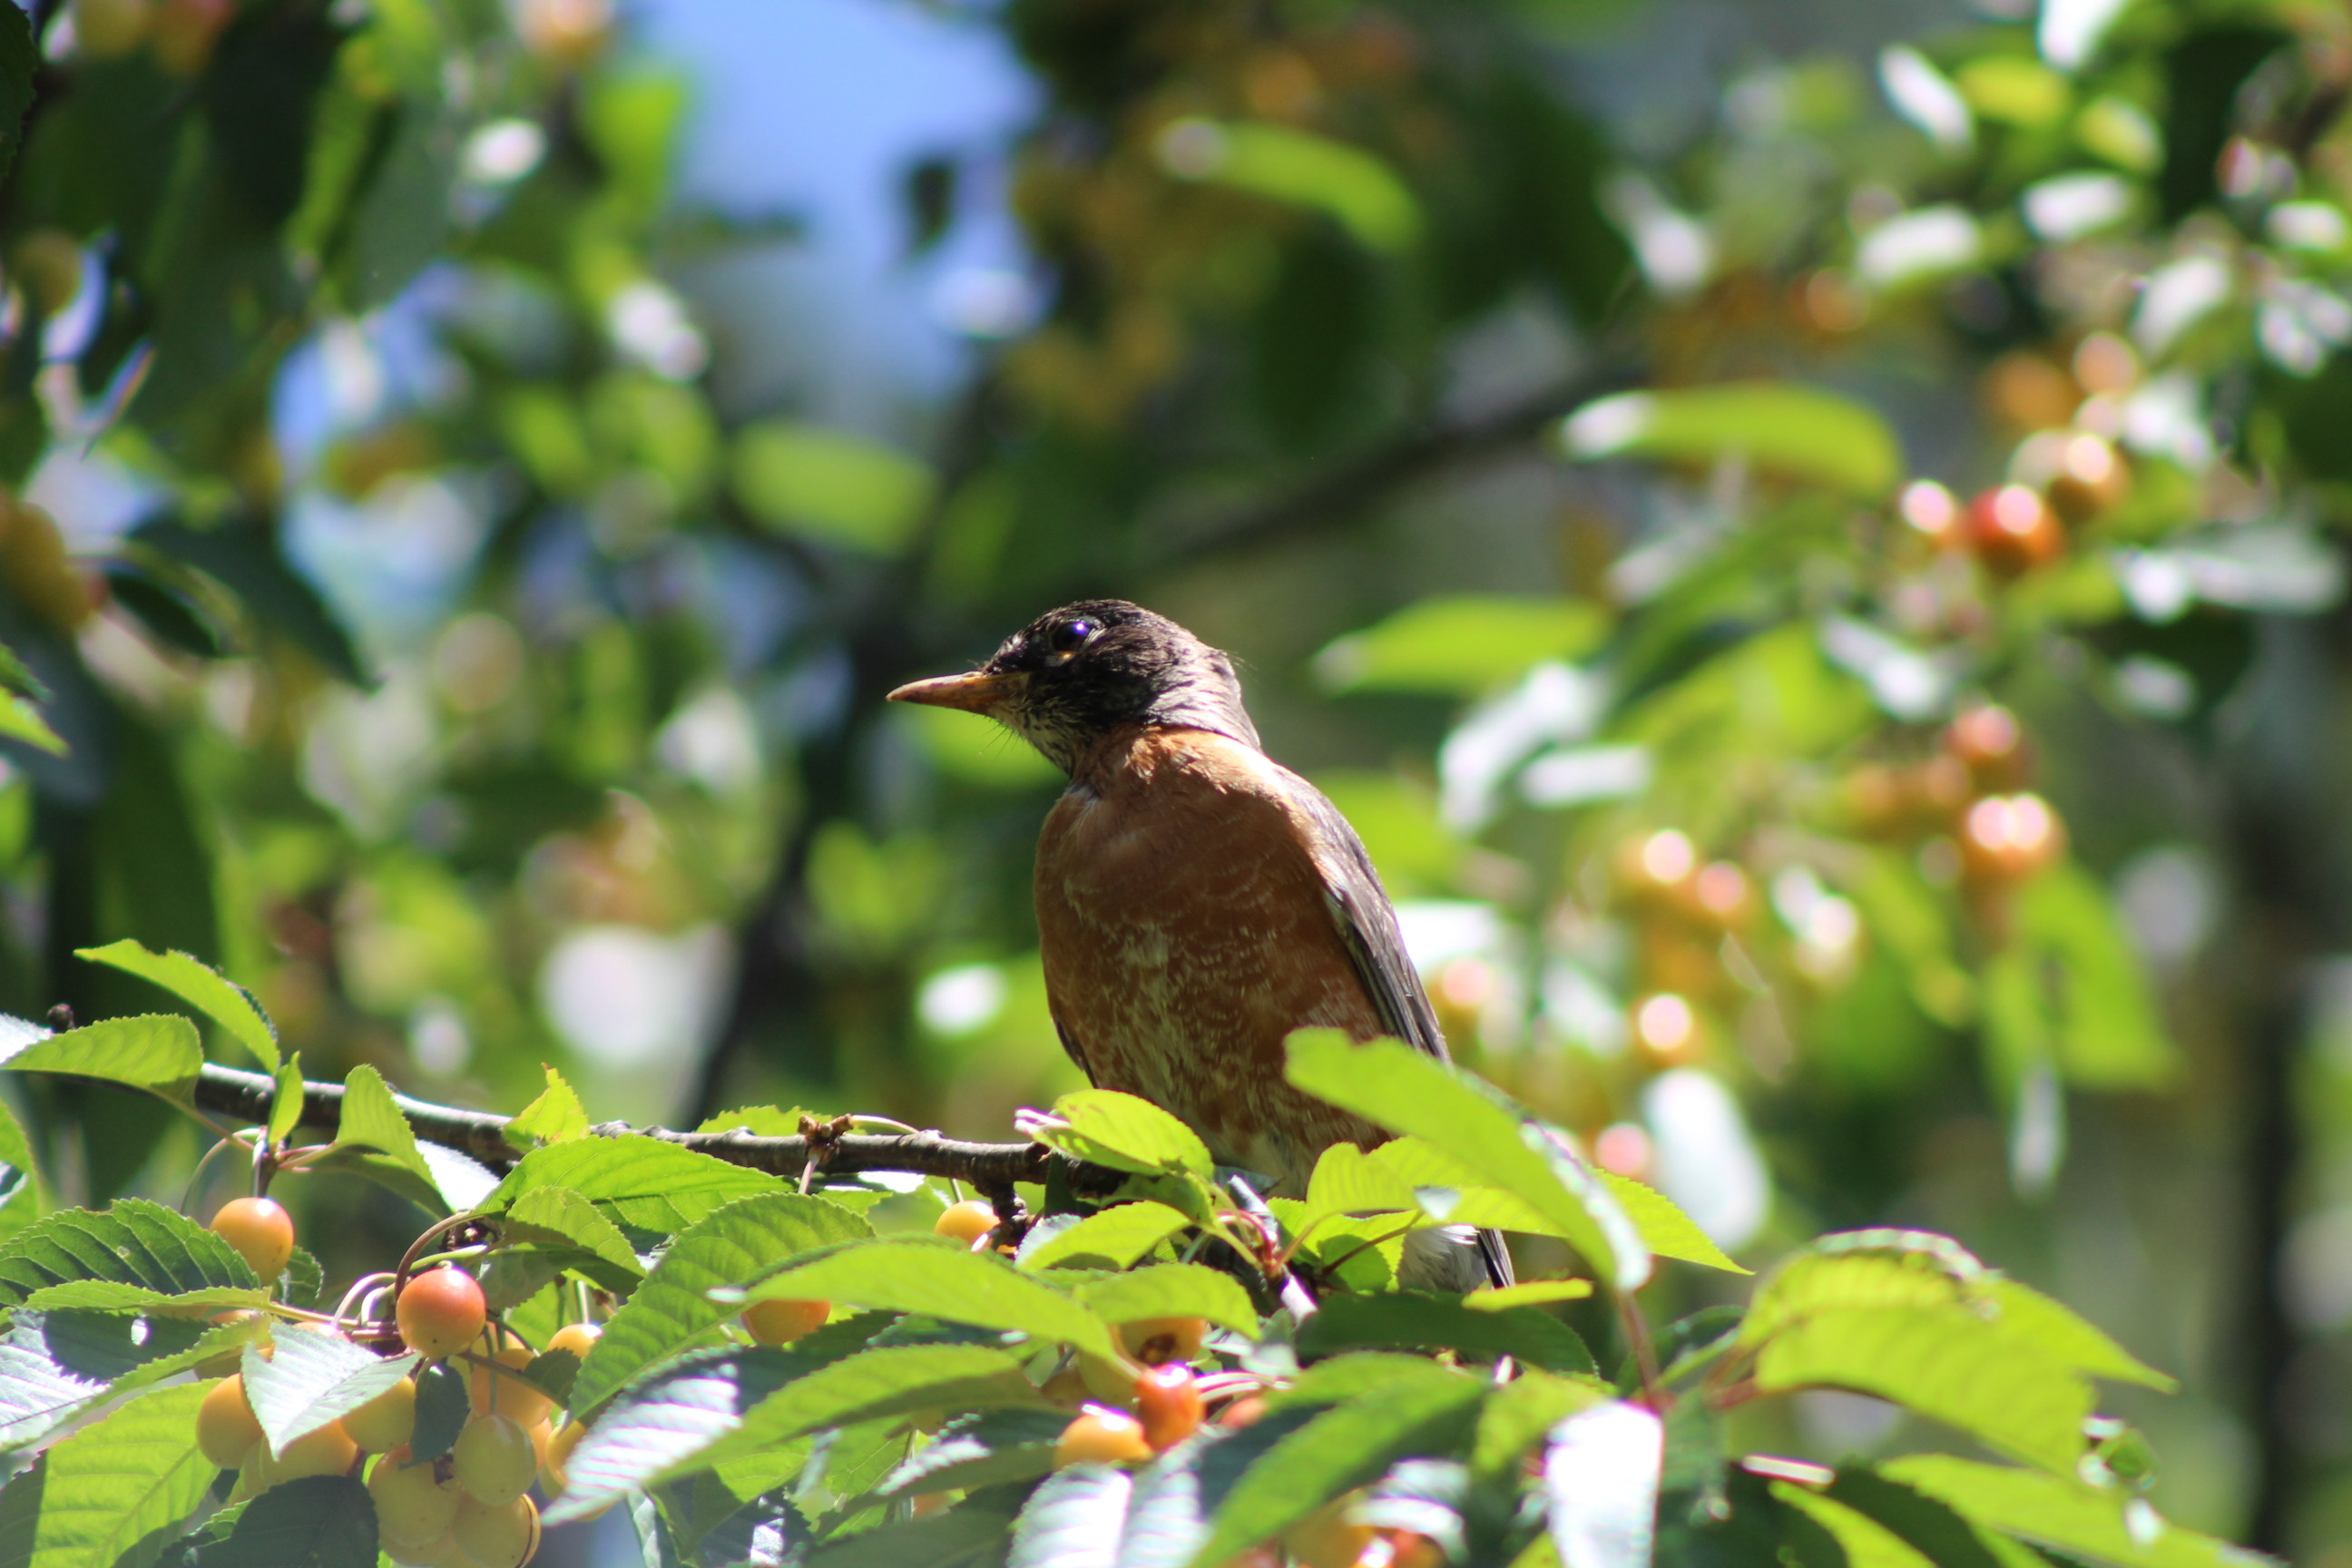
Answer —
247 1096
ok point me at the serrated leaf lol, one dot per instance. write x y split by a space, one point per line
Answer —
24 1196
1014 1444
134 1242
1665 1229
2057 1330
1516 1416
304 1280
107 1489
1413 1320
2065 1515
1944 1362
1528 1293
316 1522
718 1407
36 1392
1600 1486
555 1117
444 1404
1105 1127
201 986
1409 1091
673 1309
563 1216
942 1279
285 1104
963 1537
1337 1451
158 1052
644 1181
1073 1520
1170 1290
54 1366
114 1296
1115 1238
1862 1269
312 1377
554 1373
371 1119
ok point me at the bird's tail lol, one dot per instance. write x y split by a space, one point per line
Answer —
1455 1257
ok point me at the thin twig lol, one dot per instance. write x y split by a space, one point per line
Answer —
247 1095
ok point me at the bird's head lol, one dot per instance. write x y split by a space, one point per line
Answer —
1074 675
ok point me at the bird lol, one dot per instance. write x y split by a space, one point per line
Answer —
1196 901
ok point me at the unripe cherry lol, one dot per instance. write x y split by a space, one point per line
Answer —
385 1422
494 1460
442 1551
509 1396
1168 1399
500 1535
1101 1436
577 1338
329 1451
414 1508
968 1221
2007 838
1152 1341
227 1429
261 1231
1989 742
780 1322
441 1312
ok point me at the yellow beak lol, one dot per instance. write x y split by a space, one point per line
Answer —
975 693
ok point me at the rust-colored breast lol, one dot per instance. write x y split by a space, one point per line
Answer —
1185 932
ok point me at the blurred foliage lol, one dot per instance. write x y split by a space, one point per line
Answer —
1827 615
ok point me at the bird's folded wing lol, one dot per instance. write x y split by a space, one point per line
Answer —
1367 926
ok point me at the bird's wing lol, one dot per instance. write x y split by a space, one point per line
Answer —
1069 1041
1368 927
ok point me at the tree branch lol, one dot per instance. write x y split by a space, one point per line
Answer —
247 1096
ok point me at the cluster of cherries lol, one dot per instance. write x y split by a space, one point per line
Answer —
1972 793
469 1508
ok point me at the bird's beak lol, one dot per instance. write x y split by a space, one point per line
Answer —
978 692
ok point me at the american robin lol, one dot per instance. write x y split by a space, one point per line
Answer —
1197 901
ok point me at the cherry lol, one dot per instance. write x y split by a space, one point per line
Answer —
554 1458
385 1422
577 1338
1153 1341
1169 1401
494 1460
1989 744
1101 1436
414 1507
1324 1539
1247 1411
509 1396
500 1535
780 1323
969 1221
441 1551
226 1428
329 1451
261 1231
2013 530
2007 838
441 1312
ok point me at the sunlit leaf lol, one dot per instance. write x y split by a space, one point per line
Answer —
2065 1515
310 1378
1012 1443
1105 1127
1801 432
832 486
1433 1322
1073 1520
673 1309
159 1052
1170 1290
287 1103
1114 1236
106 1488
943 1280
371 1119
1298 167
1601 1471
562 1216
134 1242
201 986
644 1181
1460 646
555 1117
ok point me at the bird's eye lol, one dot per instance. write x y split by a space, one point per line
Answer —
1065 638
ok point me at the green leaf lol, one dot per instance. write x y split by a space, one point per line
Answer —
24 1196
443 1406
54 1366
1115 1238
1073 1520
1341 1450
643 1181
942 1279
1862 1268
1516 1416
835 486
107 1489
19 59
1600 1474
1528 1293
198 985
158 1052
559 1215
286 1103
1170 1290
1929 1527
1800 431
371 1119
1665 1229
36 1393
1405 1090
20 720
1105 1127
2059 1332
672 1310
2063 1514
2108 1034
1944 1362
1353 186
1461 646
134 1242
1414 1320
1865 1543
726 1405
316 1522
113 1296
1012 1444
555 1117
310 1378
